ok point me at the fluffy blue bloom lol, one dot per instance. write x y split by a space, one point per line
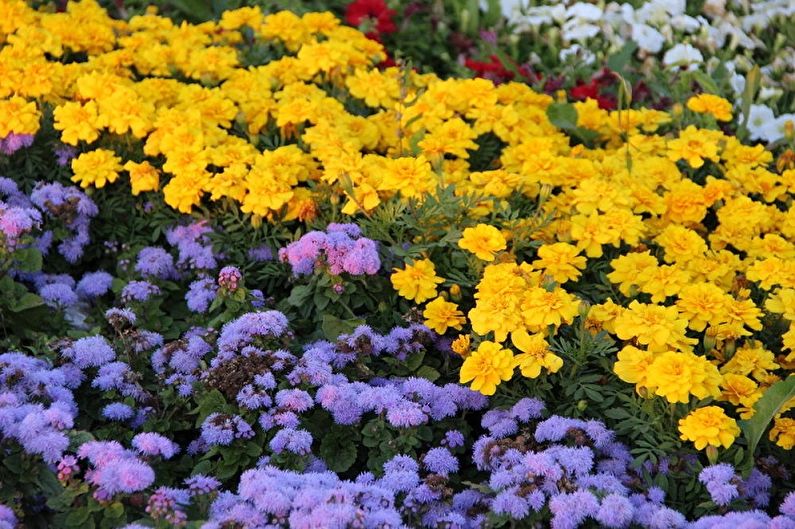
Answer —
94 284
153 444
440 461
155 262
294 441
615 512
139 291
117 411
58 295
92 351
200 294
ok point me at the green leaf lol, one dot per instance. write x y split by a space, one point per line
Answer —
333 326
752 82
618 60
338 450
765 409
28 260
428 372
211 402
300 295
705 81
27 301
77 517
562 115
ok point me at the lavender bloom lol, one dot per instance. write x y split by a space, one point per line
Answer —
139 291
295 441
193 245
720 482
200 484
221 429
14 142
341 249
73 208
200 294
93 285
93 351
570 510
16 221
155 262
616 512
64 154
117 411
153 444
440 461
58 295
260 254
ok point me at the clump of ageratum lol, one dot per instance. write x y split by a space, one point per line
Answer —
340 249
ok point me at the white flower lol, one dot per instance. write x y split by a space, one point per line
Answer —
685 23
683 55
760 122
648 38
767 92
586 55
579 30
511 9
584 11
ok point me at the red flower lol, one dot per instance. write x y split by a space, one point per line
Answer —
375 12
593 90
494 70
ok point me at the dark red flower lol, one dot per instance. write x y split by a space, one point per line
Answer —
496 71
594 90
374 14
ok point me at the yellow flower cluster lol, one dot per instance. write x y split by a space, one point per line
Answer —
697 228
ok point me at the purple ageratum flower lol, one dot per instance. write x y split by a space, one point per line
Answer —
615 512
260 254
527 409
92 351
341 247
14 142
229 278
94 284
720 481
167 504
64 154
139 291
120 317
200 484
295 400
222 429
294 441
193 245
122 475
73 208
17 221
440 461
200 294
58 295
241 332
570 510
453 439
117 411
508 502
153 444
7 517
362 258
787 507
155 262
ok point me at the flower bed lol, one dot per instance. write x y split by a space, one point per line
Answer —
254 276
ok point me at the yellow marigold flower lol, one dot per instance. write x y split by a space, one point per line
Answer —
542 308
708 426
535 354
782 302
413 177
605 314
681 244
676 376
18 116
740 391
417 282
560 260
714 105
96 168
76 122
378 89
591 232
483 241
750 360
143 177
487 367
627 268
658 327
662 281
453 136
693 146
185 191
460 345
440 314
633 366
783 432
702 303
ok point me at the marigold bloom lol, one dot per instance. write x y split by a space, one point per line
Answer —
76 122
460 345
535 354
693 146
143 177
653 325
783 432
96 168
708 426
676 376
440 315
560 260
487 367
542 308
483 241
633 365
714 105
417 282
